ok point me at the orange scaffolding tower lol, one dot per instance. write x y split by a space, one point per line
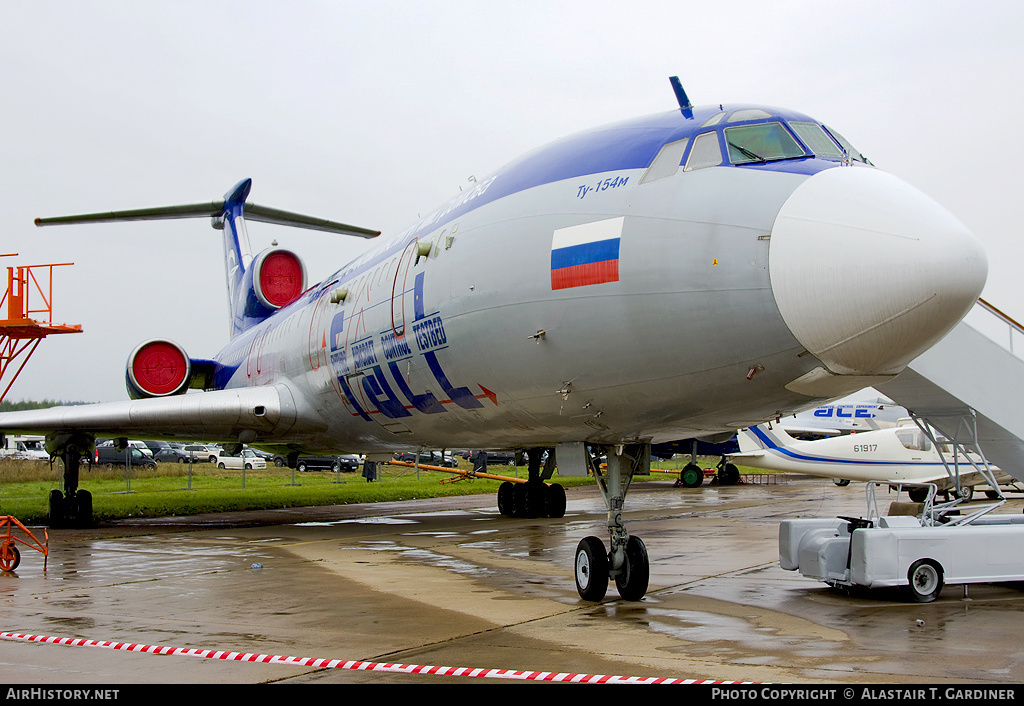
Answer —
20 334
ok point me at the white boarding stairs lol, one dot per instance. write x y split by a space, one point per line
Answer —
969 388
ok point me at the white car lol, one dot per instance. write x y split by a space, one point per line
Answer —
247 459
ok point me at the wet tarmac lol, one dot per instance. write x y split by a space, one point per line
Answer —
451 582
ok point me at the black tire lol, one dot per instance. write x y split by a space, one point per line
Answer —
505 506
636 572
991 494
300 467
728 475
10 557
181 460
925 580
56 508
535 500
554 501
591 569
220 465
841 482
519 500
917 495
966 493
279 462
83 508
335 467
692 476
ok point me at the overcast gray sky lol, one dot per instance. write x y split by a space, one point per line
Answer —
374 112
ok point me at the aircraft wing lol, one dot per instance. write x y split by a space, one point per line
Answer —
248 415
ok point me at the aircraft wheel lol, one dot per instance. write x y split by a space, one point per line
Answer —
10 557
692 476
534 500
991 494
554 501
83 508
918 495
728 475
591 569
841 482
925 578
966 493
505 502
56 508
636 572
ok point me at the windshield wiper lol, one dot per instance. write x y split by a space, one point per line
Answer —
748 153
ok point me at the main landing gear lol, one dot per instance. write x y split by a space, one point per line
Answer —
535 497
72 507
627 562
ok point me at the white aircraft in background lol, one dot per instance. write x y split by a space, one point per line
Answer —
867 410
900 454
674 276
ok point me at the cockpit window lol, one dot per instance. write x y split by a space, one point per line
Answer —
765 142
714 119
704 153
819 141
850 149
748 114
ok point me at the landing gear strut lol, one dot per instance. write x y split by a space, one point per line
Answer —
627 561
72 507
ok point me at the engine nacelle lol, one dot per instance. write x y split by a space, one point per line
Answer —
278 278
158 368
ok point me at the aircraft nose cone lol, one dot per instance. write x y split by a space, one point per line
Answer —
868 272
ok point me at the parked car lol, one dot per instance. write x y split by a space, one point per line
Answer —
343 462
109 456
200 452
169 454
428 458
246 459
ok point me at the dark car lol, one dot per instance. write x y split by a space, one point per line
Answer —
428 458
344 462
169 454
109 456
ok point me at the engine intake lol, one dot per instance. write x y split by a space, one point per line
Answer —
279 277
158 368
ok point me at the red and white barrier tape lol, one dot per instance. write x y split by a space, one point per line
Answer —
361 666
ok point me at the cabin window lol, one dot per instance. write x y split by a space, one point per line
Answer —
817 140
765 142
705 152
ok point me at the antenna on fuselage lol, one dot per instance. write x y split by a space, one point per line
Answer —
684 102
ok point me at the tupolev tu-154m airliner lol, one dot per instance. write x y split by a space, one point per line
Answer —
673 276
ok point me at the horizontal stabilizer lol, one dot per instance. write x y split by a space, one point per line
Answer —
213 209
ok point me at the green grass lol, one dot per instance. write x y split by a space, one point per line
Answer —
168 490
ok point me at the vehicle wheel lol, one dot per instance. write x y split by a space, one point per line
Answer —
535 500
220 465
966 493
925 577
636 572
248 466
279 462
841 482
301 467
10 557
519 500
918 495
728 475
554 501
692 476
181 460
991 494
213 459
591 569
336 467
505 498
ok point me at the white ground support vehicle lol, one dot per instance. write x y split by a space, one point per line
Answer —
916 546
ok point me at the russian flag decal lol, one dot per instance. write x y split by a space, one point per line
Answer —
586 254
